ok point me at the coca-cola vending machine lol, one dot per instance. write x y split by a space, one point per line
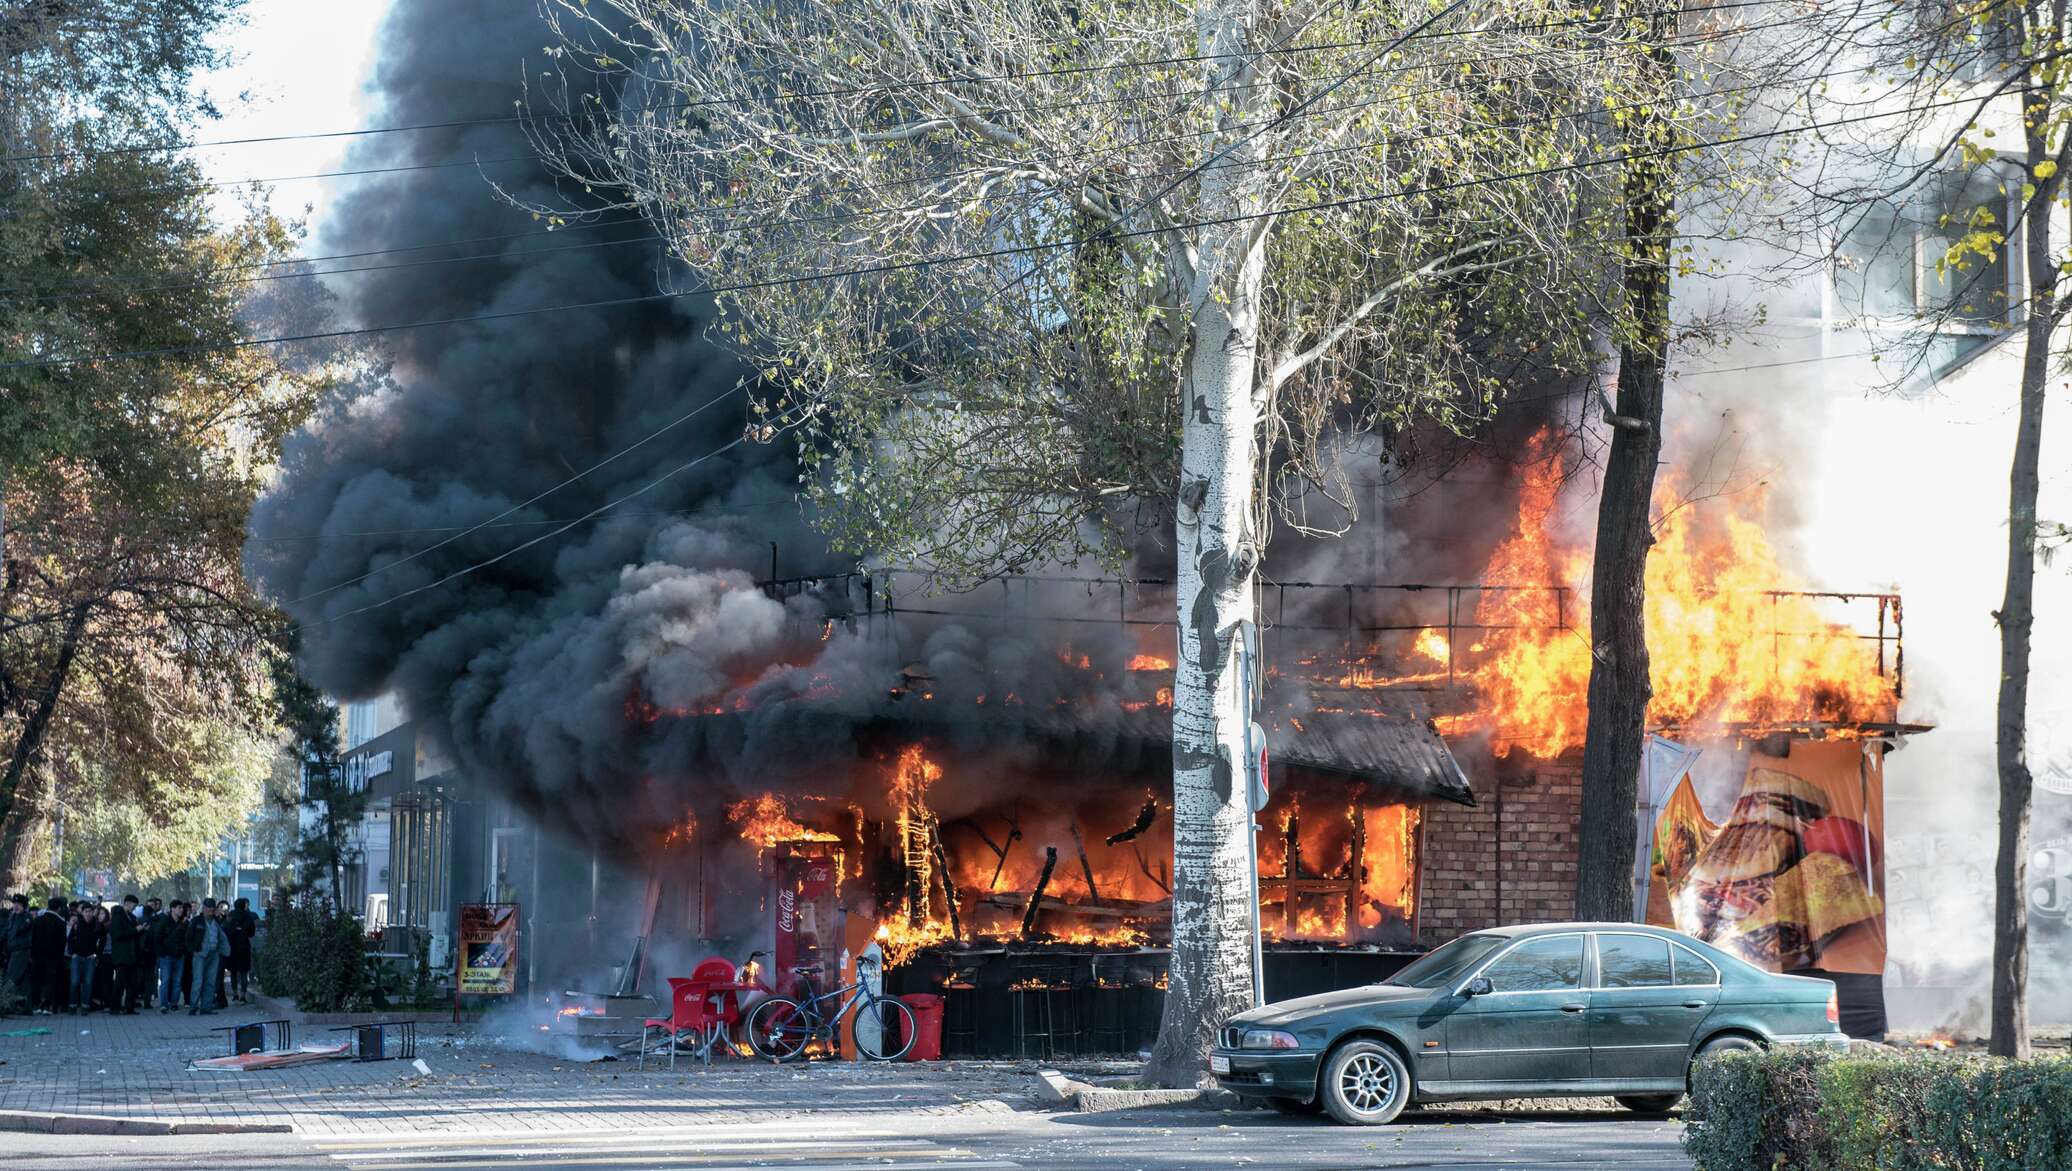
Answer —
808 912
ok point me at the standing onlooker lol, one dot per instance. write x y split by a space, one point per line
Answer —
242 925
124 953
83 939
211 945
15 934
170 941
47 957
147 950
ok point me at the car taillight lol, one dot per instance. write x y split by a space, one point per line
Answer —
1834 1010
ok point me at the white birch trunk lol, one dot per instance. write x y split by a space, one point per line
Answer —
1217 558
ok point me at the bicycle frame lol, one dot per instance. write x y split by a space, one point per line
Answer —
826 1025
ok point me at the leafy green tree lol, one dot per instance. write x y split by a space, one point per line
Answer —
325 847
125 625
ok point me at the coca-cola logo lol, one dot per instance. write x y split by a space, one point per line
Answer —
787 911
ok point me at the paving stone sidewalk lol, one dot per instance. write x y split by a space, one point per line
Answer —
135 1067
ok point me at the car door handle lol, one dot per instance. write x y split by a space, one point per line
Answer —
1694 1004
1574 1007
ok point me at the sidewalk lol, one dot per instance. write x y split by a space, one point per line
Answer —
134 1067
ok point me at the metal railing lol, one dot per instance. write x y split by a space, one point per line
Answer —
875 601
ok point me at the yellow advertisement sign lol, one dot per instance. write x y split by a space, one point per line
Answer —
488 951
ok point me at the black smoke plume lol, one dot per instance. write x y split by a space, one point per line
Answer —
533 671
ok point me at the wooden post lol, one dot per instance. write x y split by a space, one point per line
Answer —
1050 861
1293 871
1356 873
1093 893
949 884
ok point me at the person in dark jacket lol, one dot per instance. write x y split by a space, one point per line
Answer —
242 925
15 932
83 939
147 950
47 958
125 953
169 940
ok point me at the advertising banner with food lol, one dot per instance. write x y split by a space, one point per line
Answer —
1793 877
488 949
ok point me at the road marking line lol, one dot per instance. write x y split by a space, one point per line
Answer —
645 1134
962 1160
634 1144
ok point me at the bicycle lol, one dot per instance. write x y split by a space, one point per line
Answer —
782 1028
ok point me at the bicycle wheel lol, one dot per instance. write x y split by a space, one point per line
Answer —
779 1029
884 1029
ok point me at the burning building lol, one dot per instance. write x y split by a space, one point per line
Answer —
992 813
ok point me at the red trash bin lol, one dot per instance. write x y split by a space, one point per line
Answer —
927 1008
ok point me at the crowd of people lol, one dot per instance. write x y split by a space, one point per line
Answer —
85 956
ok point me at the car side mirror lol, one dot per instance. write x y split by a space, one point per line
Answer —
1479 986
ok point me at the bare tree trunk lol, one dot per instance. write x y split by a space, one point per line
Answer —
1218 553
30 741
2017 620
25 840
1616 734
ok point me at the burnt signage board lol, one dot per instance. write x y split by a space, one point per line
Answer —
488 949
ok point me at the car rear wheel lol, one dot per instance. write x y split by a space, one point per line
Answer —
1649 1103
1719 1045
1296 1105
1365 1084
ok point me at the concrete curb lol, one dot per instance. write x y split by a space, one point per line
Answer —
1093 1101
39 1122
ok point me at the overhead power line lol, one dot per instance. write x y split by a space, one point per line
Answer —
847 91
997 253
650 437
88 289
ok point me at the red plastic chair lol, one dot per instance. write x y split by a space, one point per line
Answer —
716 972
690 1010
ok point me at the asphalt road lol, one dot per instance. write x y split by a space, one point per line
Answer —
1170 1140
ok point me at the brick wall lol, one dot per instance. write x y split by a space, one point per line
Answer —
1478 875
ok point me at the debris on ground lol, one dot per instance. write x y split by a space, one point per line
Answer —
273 1059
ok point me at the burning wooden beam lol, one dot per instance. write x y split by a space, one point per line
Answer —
949 882
1050 861
1093 893
1145 817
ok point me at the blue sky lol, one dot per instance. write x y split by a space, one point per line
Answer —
297 67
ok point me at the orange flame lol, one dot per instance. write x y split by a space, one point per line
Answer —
1725 645
766 820
1150 663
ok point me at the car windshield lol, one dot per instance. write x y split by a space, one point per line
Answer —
1447 963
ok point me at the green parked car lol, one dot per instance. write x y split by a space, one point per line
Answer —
1550 1010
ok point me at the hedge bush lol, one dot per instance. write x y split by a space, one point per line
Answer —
312 953
1821 1111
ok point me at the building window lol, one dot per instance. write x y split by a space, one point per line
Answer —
359 724
1890 266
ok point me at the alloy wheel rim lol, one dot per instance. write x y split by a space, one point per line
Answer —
1368 1083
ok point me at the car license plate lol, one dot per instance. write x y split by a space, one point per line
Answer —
1219 1064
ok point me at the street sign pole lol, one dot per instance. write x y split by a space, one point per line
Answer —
1255 795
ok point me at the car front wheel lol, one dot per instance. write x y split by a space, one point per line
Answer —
1649 1103
1365 1084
